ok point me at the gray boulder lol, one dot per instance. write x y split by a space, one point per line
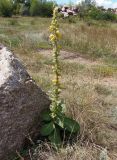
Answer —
21 102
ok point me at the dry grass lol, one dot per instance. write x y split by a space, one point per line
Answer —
89 79
90 98
74 152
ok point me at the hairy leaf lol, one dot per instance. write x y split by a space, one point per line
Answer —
47 129
67 123
55 138
71 125
46 116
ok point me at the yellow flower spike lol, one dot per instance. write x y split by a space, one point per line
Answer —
55 11
55 36
57 107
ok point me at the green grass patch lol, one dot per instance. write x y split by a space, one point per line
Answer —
104 71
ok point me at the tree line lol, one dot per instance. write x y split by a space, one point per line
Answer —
26 8
89 10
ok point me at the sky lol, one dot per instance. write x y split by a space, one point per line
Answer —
105 3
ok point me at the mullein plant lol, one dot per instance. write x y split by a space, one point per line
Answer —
55 120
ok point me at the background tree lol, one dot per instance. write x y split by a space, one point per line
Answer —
34 8
6 8
85 6
89 2
21 7
41 8
97 13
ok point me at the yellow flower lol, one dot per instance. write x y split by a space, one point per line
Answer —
55 81
51 28
53 115
55 11
52 37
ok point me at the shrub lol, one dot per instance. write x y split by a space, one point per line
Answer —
6 8
16 7
46 9
34 9
98 14
39 8
24 10
109 16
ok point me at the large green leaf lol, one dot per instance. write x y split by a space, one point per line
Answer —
71 125
46 116
55 138
67 123
47 129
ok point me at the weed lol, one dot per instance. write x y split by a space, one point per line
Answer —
55 119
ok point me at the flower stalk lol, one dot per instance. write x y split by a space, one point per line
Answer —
55 36
55 119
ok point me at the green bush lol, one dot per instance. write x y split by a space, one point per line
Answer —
40 8
34 8
109 16
46 9
6 8
24 10
16 7
98 14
